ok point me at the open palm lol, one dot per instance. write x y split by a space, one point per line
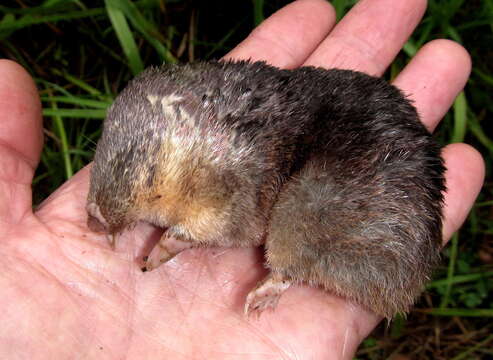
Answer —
66 294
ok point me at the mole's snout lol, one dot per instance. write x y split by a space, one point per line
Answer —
96 221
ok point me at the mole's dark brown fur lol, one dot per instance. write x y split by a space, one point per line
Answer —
332 169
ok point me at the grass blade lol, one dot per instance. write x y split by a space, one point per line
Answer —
60 129
258 12
457 312
450 271
341 7
82 102
79 83
410 48
458 279
75 113
460 118
28 20
478 132
125 37
143 26
465 354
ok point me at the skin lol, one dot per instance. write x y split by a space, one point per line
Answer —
65 292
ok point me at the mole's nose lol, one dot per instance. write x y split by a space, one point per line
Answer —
95 220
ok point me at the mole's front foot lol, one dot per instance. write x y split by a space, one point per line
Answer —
167 248
265 295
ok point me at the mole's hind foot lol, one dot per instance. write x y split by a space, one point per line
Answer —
265 295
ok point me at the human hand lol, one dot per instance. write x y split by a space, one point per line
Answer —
65 292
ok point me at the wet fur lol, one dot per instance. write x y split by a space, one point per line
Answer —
331 168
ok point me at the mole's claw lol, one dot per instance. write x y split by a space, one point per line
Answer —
159 255
167 247
111 239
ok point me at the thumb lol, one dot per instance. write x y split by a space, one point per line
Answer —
21 139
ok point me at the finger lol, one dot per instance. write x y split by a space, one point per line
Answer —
288 37
369 37
434 77
20 140
464 179
20 112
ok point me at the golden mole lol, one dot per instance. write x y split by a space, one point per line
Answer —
331 169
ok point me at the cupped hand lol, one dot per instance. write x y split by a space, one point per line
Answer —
66 294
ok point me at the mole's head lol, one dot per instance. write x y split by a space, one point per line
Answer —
181 192
160 160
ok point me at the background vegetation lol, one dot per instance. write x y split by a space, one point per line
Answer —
81 53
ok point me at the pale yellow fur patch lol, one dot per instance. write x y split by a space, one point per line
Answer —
182 193
152 99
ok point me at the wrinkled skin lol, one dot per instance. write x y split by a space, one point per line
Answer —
66 294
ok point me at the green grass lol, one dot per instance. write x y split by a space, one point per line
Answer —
82 53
